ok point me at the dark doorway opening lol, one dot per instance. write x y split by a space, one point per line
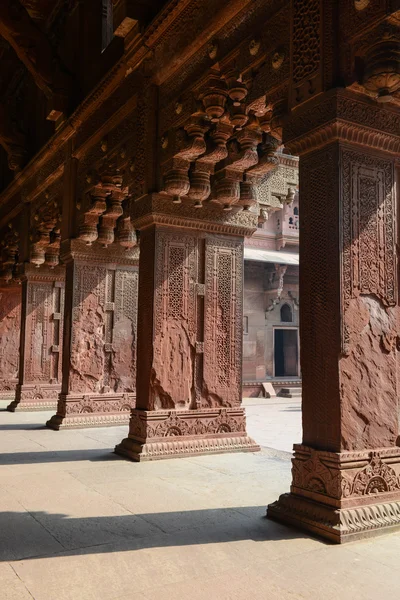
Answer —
286 353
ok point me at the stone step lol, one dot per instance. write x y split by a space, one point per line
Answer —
293 392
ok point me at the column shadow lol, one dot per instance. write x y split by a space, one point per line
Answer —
45 535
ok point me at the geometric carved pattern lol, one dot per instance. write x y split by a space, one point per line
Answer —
174 320
43 332
175 278
306 39
222 320
369 245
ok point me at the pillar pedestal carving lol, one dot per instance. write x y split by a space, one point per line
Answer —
346 475
342 496
99 368
39 381
10 324
189 331
172 433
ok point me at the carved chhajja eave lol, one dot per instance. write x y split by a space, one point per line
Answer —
224 148
104 218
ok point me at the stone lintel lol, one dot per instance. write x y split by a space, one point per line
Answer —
159 209
114 255
171 433
29 272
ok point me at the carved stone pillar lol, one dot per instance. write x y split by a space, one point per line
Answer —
10 324
99 366
41 339
189 332
346 473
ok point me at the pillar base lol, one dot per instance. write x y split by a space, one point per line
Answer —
336 525
101 410
8 389
342 496
33 397
155 435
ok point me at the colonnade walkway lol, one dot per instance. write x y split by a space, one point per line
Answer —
78 522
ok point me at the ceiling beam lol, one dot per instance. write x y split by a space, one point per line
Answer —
34 50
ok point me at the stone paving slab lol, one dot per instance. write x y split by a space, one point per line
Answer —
79 523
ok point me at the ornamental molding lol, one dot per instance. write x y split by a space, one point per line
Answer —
31 273
159 209
114 256
346 475
345 116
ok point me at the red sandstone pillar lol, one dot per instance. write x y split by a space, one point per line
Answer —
41 339
346 473
10 324
189 334
99 365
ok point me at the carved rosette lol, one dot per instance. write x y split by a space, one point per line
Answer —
342 495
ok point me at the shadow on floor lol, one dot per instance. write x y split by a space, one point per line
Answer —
42 534
27 458
22 426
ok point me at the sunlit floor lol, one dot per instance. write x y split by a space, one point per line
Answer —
80 523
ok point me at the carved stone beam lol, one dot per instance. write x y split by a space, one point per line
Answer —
52 253
382 67
88 229
13 141
46 223
279 111
39 247
230 186
176 178
214 97
113 212
9 256
203 168
34 50
125 233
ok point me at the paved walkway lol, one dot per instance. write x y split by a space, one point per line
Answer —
274 423
79 523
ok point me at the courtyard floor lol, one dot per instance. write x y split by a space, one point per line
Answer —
80 523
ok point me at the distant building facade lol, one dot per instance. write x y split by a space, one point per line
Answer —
271 285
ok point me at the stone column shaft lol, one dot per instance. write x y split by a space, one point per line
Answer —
346 473
10 324
40 339
189 337
99 367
